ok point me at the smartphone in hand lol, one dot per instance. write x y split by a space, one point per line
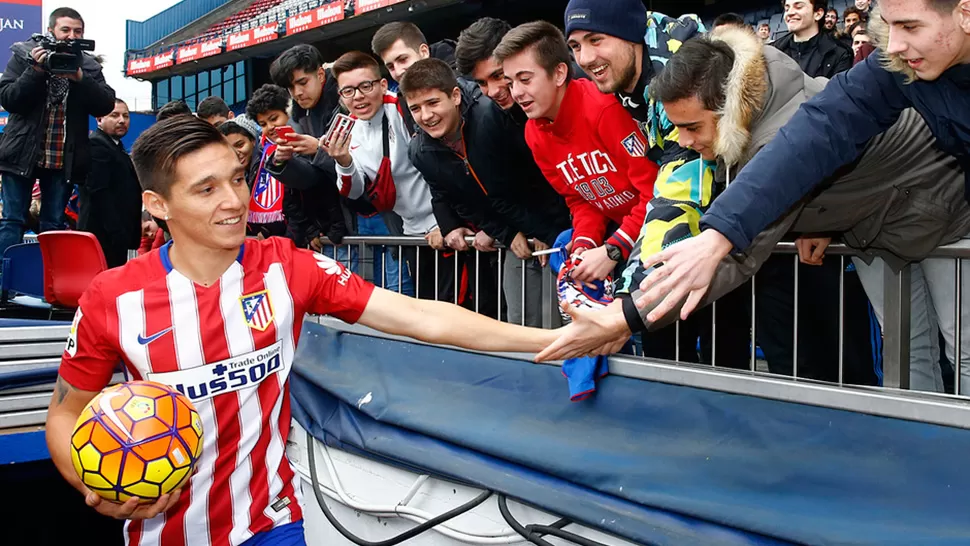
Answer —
341 123
284 133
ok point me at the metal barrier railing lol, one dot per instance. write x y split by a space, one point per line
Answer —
370 256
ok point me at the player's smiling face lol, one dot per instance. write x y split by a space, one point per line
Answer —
209 200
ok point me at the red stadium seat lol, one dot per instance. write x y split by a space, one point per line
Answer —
71 261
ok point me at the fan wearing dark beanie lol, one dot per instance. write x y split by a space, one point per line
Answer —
622 47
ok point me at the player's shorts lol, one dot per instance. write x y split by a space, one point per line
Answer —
290 534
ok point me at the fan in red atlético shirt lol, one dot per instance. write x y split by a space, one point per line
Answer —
587 145
210 301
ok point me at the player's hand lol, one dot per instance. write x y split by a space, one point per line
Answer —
435 240
339 149
811 250
283 154
683 270
591 333
131 509
456 239
520 247
595 266
303 144
538 245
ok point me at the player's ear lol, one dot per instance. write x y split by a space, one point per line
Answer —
155 204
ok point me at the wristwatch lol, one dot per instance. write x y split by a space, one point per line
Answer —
613 252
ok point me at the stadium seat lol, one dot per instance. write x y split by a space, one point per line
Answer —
72 259
22 272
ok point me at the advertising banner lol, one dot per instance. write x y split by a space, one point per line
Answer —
315 18
363 6
202 50
251 37
139 66
19 19
163 60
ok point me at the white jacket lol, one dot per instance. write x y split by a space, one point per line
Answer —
413 203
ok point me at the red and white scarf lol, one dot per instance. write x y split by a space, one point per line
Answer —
266 202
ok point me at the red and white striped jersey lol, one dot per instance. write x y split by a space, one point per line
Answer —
229 348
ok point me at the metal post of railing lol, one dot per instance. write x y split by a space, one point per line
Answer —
417 272
361 258
501 273
677 341
437 281
841 317
714 334
896 328
400 270
384 259
550 301
478 277
754 338
794 357
522 293
957 336
457 279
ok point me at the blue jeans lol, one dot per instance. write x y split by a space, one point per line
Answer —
15 193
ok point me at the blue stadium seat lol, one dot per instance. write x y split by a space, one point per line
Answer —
22 272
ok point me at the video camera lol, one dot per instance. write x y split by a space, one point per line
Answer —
65 55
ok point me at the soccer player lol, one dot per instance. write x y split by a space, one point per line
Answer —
212 300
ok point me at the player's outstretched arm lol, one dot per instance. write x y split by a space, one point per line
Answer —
66 405
447 324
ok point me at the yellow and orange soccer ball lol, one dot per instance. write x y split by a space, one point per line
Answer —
136 439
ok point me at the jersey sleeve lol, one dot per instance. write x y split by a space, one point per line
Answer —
623 138
90 357
325 287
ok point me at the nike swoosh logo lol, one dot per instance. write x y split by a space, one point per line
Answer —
109 412
153 337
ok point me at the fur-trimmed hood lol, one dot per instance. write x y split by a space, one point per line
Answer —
879 32
762 91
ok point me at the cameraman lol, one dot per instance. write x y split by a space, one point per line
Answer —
46 136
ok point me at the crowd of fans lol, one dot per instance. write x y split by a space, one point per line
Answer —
503 138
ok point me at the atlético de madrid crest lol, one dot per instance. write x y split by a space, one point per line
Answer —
257 310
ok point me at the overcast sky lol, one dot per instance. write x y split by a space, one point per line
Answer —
105 24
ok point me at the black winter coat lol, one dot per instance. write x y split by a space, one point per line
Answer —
110 200
497 186
822 56
23 93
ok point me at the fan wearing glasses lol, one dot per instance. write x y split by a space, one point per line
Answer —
360 156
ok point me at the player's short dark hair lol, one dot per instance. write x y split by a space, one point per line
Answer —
172 109
267 97
303 57
232 128
729 18
352 60
546 41
429 74
157 151
407 32
211 107
70 13
943 6
477 43
699 69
